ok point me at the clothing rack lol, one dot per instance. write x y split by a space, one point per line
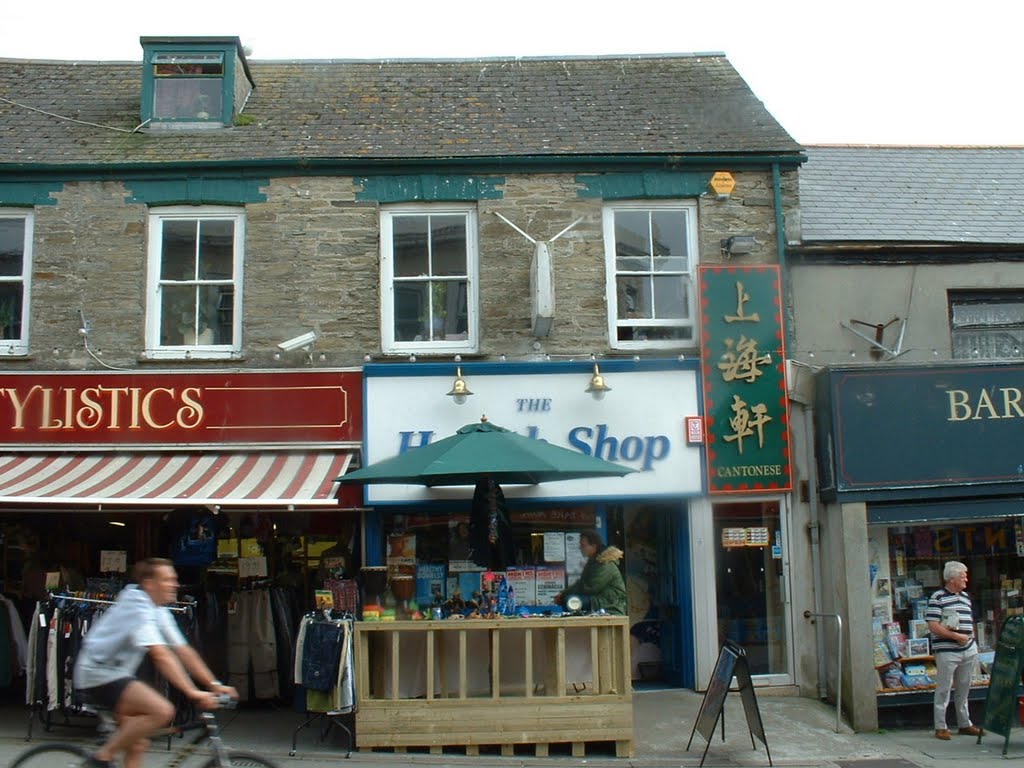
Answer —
331 716
39 710
179 606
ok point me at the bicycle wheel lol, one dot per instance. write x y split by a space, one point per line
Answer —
239 760
51 756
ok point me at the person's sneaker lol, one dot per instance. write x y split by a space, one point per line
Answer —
971 730
94 762
943 734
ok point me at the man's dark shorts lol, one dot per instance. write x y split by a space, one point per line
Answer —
106 695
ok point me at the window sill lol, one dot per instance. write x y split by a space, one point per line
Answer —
431 350
190 357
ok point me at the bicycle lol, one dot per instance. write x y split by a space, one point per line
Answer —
65 755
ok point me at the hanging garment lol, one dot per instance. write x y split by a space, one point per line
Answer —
490 531
325 668
17 630
321 655
7 662
283 622
252 646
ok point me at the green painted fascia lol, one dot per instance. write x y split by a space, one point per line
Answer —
428 187
367 167
652 184
226 86
196 191
29 193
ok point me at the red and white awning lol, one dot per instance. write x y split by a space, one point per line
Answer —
242 478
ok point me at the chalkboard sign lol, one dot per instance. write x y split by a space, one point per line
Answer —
1004 680
732 662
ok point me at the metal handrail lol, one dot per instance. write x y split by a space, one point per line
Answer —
839 660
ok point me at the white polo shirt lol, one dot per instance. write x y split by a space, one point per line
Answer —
119 639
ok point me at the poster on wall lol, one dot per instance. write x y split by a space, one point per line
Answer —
524 581
402 554
550 582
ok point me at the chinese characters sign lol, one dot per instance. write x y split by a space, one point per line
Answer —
744 370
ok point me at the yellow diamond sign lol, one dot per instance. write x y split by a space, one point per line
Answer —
723 183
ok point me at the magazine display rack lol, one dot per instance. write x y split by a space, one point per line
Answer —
475 683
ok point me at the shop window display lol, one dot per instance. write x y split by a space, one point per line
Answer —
906 565
443 564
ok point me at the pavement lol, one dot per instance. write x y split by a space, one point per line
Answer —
799 732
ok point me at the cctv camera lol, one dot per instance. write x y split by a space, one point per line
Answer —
305 340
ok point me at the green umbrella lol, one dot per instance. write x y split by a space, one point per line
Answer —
485 450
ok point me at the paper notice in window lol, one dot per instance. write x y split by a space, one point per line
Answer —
554 547
252 567
113 561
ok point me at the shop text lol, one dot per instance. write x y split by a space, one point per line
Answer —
647 450
1004 403
103 408
751 470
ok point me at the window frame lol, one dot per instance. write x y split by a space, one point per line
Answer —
389 344
154 283
608 212
198 59
19 346
964 298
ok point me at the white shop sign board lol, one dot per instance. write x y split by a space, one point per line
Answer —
641 424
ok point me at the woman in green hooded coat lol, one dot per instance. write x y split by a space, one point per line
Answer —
601 579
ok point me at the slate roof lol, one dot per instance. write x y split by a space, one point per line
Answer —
381 110
913 194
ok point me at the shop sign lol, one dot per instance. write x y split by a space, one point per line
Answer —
746 408
905 428
640 423
555 516
958 541
157 409
745 537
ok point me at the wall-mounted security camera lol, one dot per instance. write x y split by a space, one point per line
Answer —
305 340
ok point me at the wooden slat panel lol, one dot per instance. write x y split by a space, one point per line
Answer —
519 713
495 640
431 656
463 668
452 721
394 665
528 661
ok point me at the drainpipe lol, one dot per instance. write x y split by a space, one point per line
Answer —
780 246
814 529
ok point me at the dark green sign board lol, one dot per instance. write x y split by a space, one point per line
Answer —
1001 709
901 428
743 361
732 662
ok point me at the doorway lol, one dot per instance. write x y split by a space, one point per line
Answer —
751 584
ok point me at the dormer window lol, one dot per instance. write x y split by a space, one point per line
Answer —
188 86
193 82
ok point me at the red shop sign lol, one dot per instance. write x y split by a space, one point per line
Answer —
181 408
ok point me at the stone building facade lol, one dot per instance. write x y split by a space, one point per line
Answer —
308 160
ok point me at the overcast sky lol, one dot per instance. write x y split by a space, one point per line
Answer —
892 72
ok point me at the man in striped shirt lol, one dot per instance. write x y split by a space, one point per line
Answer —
951 621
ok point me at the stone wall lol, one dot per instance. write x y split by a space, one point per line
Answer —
312 261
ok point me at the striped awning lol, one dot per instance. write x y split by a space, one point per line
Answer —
241 478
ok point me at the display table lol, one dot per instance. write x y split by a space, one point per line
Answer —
494 682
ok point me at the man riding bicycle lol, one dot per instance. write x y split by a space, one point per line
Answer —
137 624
